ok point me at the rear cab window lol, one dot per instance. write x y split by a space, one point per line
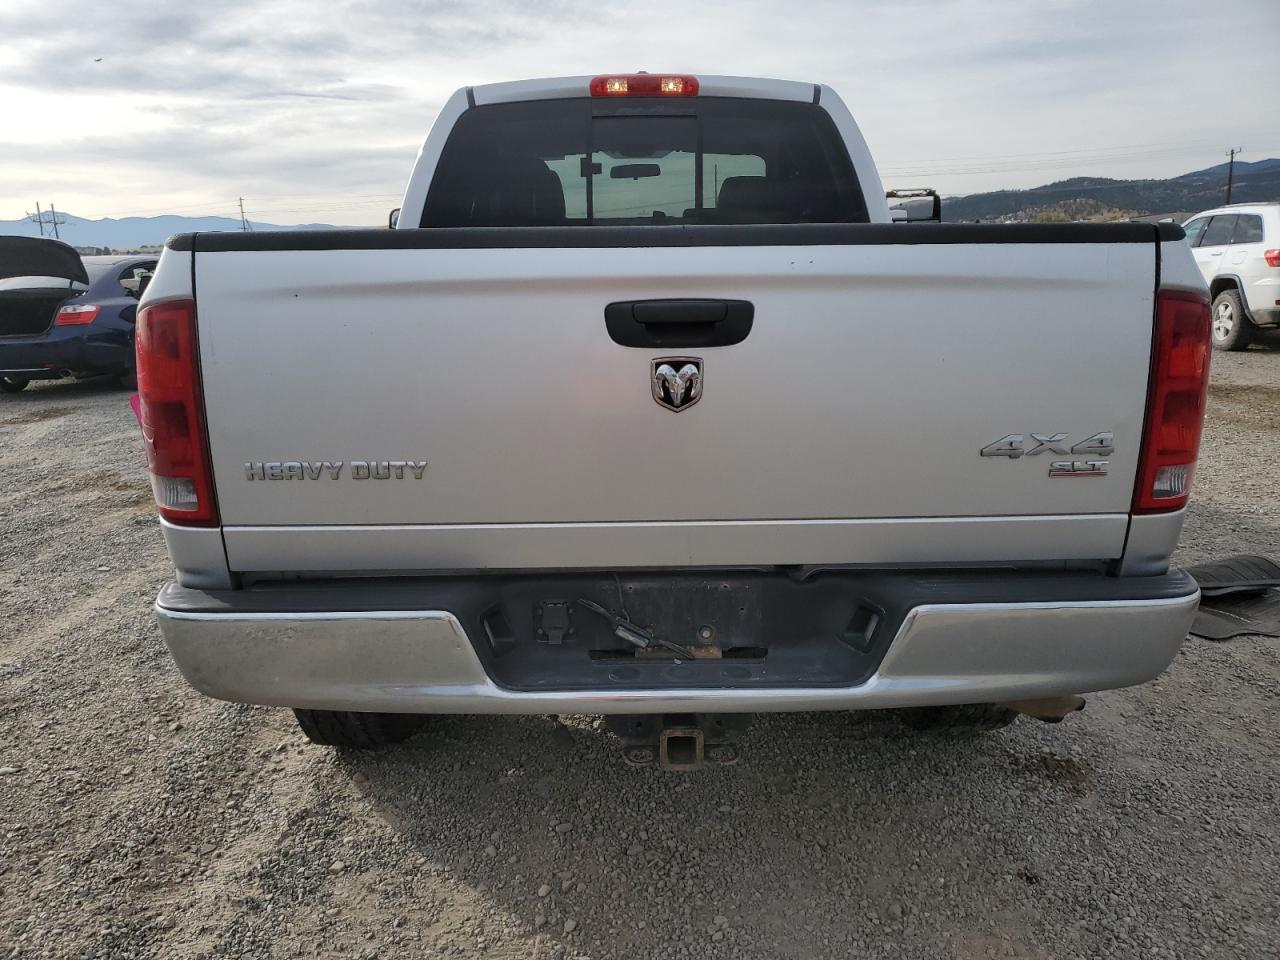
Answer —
583 162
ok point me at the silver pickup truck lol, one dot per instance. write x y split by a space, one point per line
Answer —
646 408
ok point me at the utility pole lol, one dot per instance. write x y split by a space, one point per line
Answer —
1231 168
40 218
244 224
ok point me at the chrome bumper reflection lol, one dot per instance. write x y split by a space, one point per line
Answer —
422 661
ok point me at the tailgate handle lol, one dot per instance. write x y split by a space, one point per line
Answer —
680 311
679 323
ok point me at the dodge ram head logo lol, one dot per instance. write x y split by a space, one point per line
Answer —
677 381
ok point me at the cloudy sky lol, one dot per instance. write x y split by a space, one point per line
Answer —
312 110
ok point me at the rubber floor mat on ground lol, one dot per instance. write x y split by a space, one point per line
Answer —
1239 597
1244 572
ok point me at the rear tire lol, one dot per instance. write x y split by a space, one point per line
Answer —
13 384
364 731
975 717
1232 330
129 381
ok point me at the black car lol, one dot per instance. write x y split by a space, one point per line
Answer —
63 315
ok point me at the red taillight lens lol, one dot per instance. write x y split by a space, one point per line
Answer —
1272 257
76 314
1175 402
172 413
644 85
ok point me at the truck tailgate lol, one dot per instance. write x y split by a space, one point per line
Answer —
846 427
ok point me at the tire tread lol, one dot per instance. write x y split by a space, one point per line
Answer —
364 731
1244 331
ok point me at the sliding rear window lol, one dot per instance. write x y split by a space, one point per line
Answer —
548 163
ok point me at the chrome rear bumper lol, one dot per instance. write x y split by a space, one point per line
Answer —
405 660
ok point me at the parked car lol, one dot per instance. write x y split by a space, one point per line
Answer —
1237 249
646 408
62 315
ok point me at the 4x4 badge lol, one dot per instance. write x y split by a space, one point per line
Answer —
676 381
1014 446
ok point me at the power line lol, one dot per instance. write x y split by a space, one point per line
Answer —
317 205
272 203
979 169
929 168
230 207
1056 153
1040 191
349 196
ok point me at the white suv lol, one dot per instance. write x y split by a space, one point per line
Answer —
1238 250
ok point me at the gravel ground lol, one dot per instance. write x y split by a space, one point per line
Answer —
138 819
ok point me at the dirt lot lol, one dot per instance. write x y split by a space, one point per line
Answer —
138 819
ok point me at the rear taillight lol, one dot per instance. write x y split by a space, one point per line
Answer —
1272 257
644 85
172 413
76 314
1175 402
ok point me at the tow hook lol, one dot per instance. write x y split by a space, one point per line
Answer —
679 741
1048 709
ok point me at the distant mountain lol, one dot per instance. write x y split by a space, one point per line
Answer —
1198 190
132 232
1242 166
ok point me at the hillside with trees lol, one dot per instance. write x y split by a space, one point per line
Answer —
1094 198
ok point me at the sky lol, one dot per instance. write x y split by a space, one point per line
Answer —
313 111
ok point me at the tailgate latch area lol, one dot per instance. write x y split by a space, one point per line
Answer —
553 621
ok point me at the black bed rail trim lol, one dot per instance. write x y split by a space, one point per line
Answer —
702 235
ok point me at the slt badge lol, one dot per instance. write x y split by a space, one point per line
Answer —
676 381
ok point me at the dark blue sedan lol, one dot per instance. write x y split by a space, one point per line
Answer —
62 315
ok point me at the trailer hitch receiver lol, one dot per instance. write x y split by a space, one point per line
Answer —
681 741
